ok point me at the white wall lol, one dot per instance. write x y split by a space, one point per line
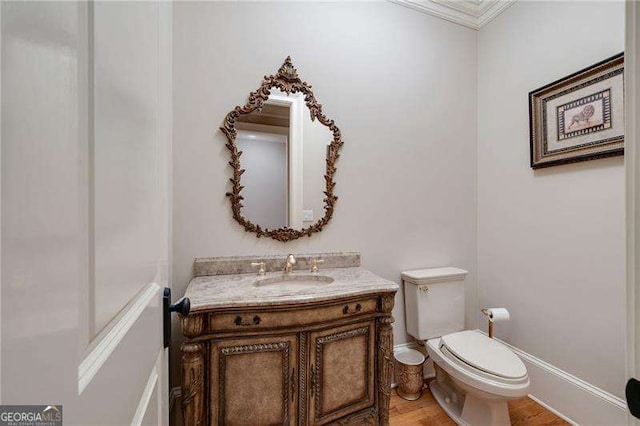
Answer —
550 242
316 137
402 88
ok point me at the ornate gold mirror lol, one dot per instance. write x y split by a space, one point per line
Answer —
283 154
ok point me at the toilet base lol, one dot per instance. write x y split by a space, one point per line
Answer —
453 409
468 407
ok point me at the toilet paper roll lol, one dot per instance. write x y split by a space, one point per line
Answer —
498 314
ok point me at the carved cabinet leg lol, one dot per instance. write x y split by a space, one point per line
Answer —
385 359
192 383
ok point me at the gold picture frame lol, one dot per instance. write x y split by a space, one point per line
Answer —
579 117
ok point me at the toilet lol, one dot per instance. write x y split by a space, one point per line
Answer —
475 375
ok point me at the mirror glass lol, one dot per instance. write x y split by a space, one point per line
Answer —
284 156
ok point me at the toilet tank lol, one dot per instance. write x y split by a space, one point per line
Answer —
434 301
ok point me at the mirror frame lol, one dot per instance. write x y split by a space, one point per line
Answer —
287 81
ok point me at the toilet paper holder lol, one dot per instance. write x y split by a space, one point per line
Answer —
486 312
495 315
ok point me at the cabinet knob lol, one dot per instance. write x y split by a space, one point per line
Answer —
345 310
240 322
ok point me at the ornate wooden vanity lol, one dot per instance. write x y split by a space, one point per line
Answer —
271 356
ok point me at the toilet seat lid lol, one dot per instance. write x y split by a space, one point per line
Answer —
485 354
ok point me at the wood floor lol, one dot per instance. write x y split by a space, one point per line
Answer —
427 412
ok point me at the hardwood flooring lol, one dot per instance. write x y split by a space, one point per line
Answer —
426 412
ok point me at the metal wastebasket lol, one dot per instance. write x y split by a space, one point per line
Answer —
409 375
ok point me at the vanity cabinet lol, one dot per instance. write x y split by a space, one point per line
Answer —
342 371
303 363
253 381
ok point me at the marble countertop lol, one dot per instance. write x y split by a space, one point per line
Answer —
226 291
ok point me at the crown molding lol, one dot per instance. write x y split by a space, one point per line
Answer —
473 14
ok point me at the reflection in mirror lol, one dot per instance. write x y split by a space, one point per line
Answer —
283 153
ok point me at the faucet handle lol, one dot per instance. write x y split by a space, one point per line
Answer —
314 264
261 271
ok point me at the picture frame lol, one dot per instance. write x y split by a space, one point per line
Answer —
579 117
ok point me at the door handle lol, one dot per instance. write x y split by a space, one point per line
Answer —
183 307
632 392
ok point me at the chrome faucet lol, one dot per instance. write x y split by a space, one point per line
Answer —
288 266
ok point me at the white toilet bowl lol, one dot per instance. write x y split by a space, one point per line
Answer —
475 377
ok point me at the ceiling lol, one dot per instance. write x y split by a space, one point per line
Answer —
469 13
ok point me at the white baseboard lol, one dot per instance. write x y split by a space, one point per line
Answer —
571 398
174 395
553 410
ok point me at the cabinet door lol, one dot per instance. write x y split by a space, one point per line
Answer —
253 381
342 371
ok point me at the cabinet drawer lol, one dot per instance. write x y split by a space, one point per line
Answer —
260 319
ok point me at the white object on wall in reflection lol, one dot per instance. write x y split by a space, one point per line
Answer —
307 215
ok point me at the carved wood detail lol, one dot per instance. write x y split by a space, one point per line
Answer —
386 303
192 325
302 386
193 373
385 361
288 81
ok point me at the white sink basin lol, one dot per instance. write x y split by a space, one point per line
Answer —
293 282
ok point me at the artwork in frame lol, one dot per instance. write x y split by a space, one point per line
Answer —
579 117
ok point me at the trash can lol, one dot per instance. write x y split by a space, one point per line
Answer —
409 375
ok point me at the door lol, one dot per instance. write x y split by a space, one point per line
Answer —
632 166
85 149
254 381
342 371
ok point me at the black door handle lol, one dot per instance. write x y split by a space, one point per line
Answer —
632 392
183 307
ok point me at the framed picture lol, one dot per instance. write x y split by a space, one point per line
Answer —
579 117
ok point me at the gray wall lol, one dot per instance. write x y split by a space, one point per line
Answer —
265 179
550 242
402 88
